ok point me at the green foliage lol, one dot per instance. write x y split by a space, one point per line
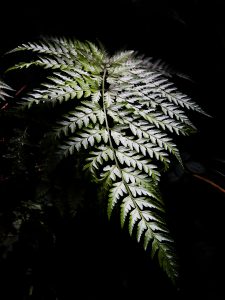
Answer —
123 113
4 91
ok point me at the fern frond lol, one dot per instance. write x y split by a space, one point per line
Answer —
4 91
125 113
142 208
142 146
97 158
82 116
85 139
137 161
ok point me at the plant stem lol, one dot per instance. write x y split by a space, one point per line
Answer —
210 182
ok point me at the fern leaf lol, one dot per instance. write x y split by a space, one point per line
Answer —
147 223
87 138
81 117
117 191
4 91
97 158
137 161
125 113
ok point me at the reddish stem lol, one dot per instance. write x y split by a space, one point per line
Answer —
210 182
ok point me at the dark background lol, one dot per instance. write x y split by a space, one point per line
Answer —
94 258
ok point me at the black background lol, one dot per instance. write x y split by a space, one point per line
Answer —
96 260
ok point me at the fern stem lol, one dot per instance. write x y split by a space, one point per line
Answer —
111 144
210 182
117 162
21 90
105 112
